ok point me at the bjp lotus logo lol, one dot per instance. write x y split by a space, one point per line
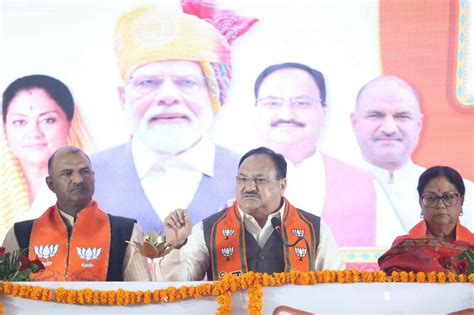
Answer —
300 252
227 252
45 252
298 232
228 233
88 254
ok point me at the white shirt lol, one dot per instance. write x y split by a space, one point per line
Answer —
306 186
162 176
192 261
400 189
308 192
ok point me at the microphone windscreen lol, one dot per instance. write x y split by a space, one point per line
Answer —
276 223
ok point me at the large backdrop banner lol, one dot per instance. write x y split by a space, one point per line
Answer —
165 106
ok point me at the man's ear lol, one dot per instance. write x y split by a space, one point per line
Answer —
49 182
121 95
353 119
283 186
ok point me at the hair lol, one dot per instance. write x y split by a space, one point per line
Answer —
56 89
277 158
66 149
315 74
441 171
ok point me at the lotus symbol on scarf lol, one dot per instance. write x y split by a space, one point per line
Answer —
46 251
227 252
88 254
227 233
300 252
298 232
154 245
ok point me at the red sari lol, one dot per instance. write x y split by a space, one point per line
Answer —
419 251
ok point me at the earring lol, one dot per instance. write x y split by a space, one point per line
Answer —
421 215
460 214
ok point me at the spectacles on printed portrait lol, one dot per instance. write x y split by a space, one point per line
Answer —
259 181
449 200
144 85
298 102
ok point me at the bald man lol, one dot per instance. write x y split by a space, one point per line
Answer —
75 239
387 122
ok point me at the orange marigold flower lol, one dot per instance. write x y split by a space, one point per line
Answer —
471 278
71 296
183 292
36 293
133 298
404 276
15 290
25 291
441 277
111 297
139 296
147 297
61 295
420 277
156 296
341 276
7 287
96 297
80 297
432 277
47 294
451 277
103 297
395 276
380 276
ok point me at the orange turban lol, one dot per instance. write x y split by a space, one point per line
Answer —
149 33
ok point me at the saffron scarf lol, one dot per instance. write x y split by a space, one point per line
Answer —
82 257
228 247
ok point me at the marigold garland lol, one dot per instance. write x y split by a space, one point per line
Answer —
222 289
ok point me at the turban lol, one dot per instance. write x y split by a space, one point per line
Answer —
148 34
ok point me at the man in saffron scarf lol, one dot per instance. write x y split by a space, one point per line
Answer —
260 232
176 69
434 243
75 239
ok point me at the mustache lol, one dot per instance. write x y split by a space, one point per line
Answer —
163 110
252 194
78 186
286 122
388 136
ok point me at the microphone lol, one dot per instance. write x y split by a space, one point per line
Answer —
276 223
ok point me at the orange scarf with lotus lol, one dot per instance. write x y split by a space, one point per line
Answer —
228 248
82 257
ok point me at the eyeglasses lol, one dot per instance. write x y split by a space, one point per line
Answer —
299 102
259 181
449 200
144 85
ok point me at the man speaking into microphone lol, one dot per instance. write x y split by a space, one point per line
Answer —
260 232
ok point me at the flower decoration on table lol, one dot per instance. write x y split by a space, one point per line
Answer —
465 261
154 245
15 266
223 289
